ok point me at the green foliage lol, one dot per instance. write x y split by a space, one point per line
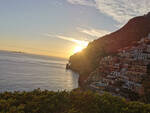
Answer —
76 101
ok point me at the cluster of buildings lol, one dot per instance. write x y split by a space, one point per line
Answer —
124 71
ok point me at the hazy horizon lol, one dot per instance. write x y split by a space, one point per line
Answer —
44 55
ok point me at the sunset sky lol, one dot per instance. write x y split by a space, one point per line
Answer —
62 27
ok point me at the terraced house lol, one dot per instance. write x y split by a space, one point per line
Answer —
124 72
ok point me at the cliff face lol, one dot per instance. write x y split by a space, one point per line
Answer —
87 60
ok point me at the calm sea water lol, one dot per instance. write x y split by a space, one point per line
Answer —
25 72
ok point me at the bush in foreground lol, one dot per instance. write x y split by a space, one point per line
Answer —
76 101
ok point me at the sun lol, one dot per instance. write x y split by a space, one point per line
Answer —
77 49
80 46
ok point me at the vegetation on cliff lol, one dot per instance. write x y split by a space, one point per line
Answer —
75 101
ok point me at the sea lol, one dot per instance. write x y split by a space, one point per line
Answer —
26 72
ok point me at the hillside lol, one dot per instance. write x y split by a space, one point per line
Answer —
87 60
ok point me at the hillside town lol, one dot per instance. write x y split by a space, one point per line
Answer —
123 73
